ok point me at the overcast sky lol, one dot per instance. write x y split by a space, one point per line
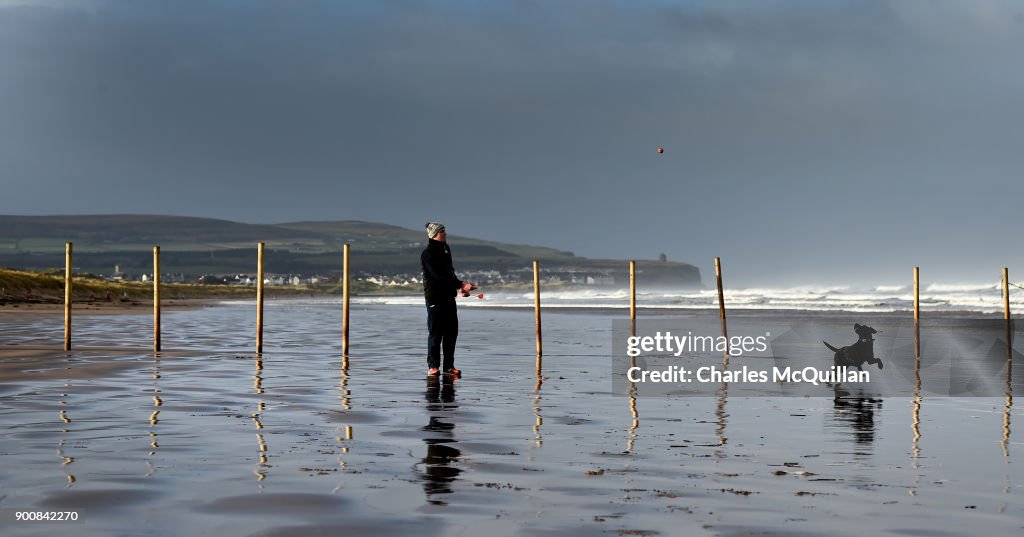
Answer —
805 142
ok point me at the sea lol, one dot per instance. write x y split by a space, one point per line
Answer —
983 298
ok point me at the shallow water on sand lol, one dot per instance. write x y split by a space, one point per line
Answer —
207 438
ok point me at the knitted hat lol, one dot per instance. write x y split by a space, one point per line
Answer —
433 228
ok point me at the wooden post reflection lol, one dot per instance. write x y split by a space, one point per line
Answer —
346 404
66 460
916 402
631 390
538 439
257 381
154 417
917 339
1007 410
257 418
344 392
916 426
1008 403
636 418
720 418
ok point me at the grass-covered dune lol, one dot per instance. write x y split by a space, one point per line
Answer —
20 286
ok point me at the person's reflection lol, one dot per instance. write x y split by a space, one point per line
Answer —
437 466
858 412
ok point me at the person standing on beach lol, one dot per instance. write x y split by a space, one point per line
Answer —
440 284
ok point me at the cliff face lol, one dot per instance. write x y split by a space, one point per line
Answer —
664 274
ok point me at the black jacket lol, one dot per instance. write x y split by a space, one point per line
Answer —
439 281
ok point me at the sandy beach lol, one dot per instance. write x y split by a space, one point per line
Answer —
209 438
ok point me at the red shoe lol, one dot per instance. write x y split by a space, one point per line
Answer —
433 372
454 372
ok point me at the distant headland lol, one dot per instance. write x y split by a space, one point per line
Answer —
119 246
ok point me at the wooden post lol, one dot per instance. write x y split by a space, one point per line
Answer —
344 300
632 291
536 310
67 296
721 296
1006 294
917 293
156 299
259 299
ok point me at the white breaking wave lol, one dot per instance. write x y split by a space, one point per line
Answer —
968 297
962 287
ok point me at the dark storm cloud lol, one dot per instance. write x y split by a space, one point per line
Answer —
840 141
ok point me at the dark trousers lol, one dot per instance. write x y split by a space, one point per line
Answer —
443 330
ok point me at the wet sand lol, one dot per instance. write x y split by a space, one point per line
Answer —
207 438
102 307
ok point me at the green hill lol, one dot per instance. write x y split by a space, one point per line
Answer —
195 246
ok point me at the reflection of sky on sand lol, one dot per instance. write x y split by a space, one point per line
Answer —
168 443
